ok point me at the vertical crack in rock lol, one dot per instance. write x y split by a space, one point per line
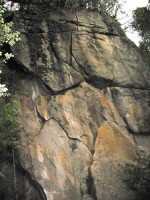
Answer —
91 185
40 117
89 182
88 190
86 74
71 48
72 57
42 121
54 51
77 19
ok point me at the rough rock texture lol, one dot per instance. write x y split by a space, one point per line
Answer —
83 90
27 188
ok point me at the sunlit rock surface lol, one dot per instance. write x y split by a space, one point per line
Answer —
83 90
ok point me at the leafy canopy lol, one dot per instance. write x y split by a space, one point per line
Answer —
107 6
7 35
141 23
9 126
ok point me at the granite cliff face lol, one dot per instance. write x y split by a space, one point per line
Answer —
83 90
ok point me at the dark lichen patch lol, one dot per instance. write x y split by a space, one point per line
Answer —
137 177
73 146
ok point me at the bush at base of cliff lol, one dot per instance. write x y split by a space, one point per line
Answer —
9 126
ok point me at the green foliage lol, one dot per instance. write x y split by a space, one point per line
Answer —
9 126
141 23
7 35
109 7
65 3
105 5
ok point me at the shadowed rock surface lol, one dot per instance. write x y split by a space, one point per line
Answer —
83 90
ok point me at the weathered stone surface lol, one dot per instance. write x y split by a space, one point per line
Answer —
64 48
131 105
84 105
112 147
26 188
76 124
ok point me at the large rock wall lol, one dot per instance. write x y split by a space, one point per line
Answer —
83 90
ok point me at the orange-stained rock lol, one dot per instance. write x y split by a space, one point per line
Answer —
112 143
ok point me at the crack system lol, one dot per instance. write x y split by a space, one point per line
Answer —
91 187
71 138
89 180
